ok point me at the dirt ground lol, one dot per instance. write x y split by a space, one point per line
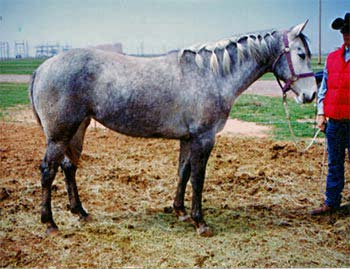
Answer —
257 198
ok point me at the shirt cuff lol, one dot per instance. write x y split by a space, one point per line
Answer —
320 109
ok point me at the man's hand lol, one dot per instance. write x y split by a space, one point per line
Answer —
321 122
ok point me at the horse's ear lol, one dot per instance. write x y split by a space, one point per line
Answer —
296 30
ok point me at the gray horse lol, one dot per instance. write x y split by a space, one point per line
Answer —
185 95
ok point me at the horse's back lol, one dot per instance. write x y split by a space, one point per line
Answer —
121 92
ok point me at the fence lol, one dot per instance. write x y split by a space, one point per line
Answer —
4 51
20 50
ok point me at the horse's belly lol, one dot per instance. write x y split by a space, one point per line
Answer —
145 127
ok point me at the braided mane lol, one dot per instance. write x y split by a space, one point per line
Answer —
256 45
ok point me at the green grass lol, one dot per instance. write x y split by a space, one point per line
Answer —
11 95
20 66
318 67
268 76
270 111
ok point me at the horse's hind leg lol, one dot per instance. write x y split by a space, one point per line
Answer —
53 156
75 205
69 168
184 175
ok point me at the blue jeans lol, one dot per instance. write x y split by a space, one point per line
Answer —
338 138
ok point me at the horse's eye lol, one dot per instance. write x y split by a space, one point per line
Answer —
302 55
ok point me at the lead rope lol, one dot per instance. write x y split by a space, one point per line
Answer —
285 104
323 165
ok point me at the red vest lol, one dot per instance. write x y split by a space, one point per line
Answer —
337 99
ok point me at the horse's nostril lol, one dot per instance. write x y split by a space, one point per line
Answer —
308 98
304 98
313 96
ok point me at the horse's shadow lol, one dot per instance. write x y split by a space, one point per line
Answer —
240 219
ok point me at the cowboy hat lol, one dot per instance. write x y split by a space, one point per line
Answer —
342 24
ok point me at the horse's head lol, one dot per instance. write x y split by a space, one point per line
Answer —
293 65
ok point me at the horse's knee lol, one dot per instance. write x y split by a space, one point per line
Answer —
47 174
68 167
202 146
66 164
44 168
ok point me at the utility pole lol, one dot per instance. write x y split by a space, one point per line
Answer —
319 31
141 48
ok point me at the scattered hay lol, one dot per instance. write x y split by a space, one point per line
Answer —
257 197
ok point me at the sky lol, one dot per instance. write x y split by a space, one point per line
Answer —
157 26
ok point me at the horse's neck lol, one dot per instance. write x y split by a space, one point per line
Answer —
246 74
250 69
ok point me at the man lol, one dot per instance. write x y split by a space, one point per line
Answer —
333 116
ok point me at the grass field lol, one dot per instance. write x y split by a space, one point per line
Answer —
318 67
253 108
11 95
270 111
20 66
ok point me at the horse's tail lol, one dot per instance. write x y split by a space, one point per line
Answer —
30 89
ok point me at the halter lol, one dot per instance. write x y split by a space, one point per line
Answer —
287 87
294 77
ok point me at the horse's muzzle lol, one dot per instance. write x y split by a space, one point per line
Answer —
305 98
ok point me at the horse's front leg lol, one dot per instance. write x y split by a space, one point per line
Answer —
200 151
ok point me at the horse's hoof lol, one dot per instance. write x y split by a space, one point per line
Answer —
52 231
182 215
185 218
87 218
205 231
